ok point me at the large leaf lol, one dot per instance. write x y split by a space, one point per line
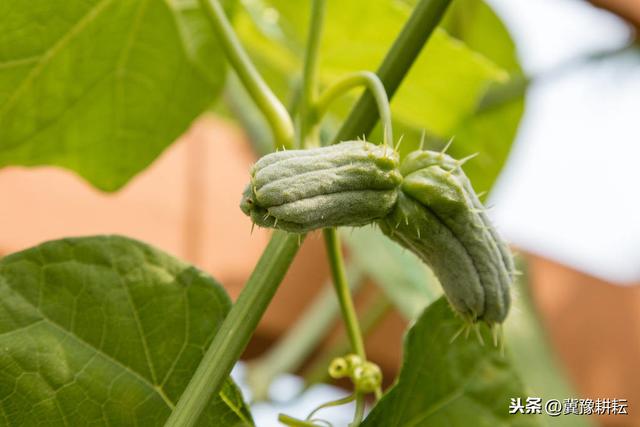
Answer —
406 280
105 331
441 93
101 86
474 23
491 127
442 86
449 384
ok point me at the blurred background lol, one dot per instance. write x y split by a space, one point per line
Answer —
567 199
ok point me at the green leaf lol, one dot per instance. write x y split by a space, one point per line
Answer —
444 91
404 278
101 87
474 23
449 384
105 331
492 126
442 86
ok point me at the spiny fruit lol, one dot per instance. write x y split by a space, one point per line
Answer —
425 204
348 184
439 217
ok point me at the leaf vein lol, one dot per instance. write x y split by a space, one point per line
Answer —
50 53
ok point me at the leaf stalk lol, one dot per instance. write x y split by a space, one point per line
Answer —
273 110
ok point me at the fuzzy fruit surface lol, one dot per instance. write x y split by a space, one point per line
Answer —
425 203
348 184
439 217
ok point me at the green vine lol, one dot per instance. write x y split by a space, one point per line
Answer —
396 64
236 330
361 78
336 263
273 110
310 75
297 343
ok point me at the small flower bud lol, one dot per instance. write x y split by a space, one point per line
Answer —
339 368
367 377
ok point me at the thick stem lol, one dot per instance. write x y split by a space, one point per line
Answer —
275 113
396 64
236 330
297 343
362 78
310 71
334 253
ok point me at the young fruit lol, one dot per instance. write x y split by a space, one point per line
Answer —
348 184
426 204
439 217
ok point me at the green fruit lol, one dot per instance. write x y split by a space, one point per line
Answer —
426 204
439 217
348 184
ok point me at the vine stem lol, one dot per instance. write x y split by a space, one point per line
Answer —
337 402
357 419
236 330
334 253
361 78
310 73
273 110
300 340
336 263
395 66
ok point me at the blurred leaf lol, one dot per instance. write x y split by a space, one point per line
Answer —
443 91
490 127
238 103
199 42
474 23
488 130
442 86
450 384
105 331
533 357
102 87
405 279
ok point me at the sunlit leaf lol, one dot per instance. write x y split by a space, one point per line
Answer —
101 87
441 94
